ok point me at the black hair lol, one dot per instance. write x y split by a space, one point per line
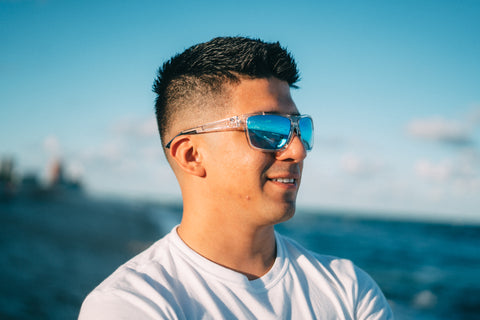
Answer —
204 68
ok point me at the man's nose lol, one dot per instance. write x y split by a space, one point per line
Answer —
295 151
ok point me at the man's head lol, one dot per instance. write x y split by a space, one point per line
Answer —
220 173
195 84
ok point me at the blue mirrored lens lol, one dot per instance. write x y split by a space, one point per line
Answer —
268 132
306 132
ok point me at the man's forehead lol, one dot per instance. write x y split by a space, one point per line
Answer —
262 95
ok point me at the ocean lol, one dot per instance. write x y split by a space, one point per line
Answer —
57 248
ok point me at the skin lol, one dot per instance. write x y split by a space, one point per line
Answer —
230 201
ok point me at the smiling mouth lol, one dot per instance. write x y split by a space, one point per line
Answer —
284 180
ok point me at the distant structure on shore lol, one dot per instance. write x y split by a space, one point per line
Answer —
58 179
13 185
7 181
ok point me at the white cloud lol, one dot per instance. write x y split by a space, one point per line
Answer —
440 172
129 162
461 174
440 130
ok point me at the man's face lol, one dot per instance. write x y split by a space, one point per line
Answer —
250 181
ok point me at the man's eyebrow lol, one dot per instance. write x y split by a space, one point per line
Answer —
283 113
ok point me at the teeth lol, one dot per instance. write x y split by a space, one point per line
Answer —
284 180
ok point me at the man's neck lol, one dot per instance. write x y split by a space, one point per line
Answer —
245 249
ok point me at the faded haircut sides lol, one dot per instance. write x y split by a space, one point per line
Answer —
203 69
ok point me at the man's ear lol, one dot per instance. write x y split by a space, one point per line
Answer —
186 155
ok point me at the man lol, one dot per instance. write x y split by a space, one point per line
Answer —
236 143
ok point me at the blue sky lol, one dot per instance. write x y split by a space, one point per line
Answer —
393 87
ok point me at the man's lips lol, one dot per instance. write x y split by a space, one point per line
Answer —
284 180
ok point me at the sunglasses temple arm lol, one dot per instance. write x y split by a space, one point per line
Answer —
220 125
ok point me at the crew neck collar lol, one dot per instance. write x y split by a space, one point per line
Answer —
230 276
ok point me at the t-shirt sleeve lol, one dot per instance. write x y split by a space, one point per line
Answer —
371 304
112 305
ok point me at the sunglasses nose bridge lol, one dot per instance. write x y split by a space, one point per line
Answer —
295 128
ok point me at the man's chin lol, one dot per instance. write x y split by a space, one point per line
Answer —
286 212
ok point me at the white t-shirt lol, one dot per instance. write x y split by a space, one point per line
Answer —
171 281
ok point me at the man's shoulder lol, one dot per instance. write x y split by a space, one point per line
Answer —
338 277
146 274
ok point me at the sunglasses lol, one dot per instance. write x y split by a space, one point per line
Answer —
269 132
